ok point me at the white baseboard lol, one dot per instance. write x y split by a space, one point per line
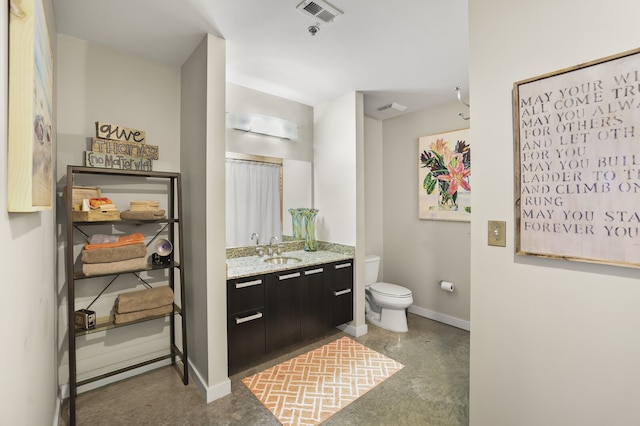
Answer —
436 316
209 393
354 331
58 412
64 388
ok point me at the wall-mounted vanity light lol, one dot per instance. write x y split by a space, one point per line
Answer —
262 124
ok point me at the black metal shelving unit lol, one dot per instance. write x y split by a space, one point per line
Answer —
171 224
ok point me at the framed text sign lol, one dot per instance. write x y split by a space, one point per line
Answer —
577 156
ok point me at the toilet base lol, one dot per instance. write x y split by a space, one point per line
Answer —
390 319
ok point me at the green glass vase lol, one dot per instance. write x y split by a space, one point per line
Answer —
296 221
310 243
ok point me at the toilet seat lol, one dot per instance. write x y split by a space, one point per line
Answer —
390 290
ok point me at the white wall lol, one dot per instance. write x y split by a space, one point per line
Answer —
203 171
339 184
418 254
28 317
95 83
334 170
298 154
245 100
373 183
553 342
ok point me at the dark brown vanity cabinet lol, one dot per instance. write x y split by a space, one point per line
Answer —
314 303
246 331
283 305
340 289
272 311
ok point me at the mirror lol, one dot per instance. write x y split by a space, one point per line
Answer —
258 202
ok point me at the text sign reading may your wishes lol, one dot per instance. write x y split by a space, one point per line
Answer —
577 138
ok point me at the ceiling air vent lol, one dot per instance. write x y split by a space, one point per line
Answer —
318 9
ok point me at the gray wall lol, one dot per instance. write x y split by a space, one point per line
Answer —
193 117
29 381
554 342
203 146
418 254
99 84
243 99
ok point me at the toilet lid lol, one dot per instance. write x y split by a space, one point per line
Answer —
390 289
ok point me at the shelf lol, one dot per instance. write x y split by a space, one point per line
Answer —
124 222
175 352
106 323
133 182
117 172
77 275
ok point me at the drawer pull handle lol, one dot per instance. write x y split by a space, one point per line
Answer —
341 292
314 271
249 318
343 265
248 283
286 277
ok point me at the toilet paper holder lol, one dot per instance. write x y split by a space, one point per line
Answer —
447 286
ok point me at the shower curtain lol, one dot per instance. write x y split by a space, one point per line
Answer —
252 202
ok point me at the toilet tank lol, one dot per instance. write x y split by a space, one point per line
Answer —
371 267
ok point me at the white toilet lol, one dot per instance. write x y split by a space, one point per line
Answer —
386 303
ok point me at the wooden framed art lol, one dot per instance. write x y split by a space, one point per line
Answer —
30 109
444 176
577 162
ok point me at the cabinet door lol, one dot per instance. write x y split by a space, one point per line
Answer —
244 294
340 290
246 338
314 304
246 330
283 308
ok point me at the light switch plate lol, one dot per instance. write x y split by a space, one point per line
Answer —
497 231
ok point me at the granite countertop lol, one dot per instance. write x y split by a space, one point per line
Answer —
253 265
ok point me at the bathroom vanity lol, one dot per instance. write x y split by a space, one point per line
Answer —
274 305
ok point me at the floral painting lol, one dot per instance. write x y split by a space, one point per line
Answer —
444 176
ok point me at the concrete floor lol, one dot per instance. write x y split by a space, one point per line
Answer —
432 389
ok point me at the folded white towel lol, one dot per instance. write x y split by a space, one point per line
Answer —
102 238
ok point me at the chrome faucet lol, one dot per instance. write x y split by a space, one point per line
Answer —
278 251
259 249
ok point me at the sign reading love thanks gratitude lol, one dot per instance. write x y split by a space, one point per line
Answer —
133 149
119 133
115 161
118 147
577 140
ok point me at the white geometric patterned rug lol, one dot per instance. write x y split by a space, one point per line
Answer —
310 388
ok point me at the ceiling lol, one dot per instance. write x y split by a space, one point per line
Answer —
408 52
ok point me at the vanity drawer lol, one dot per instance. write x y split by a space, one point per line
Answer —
245 294
246 339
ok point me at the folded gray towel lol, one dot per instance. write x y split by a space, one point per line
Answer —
137 264
147 313
143 299
142 215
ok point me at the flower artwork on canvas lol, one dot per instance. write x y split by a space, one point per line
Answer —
444 187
